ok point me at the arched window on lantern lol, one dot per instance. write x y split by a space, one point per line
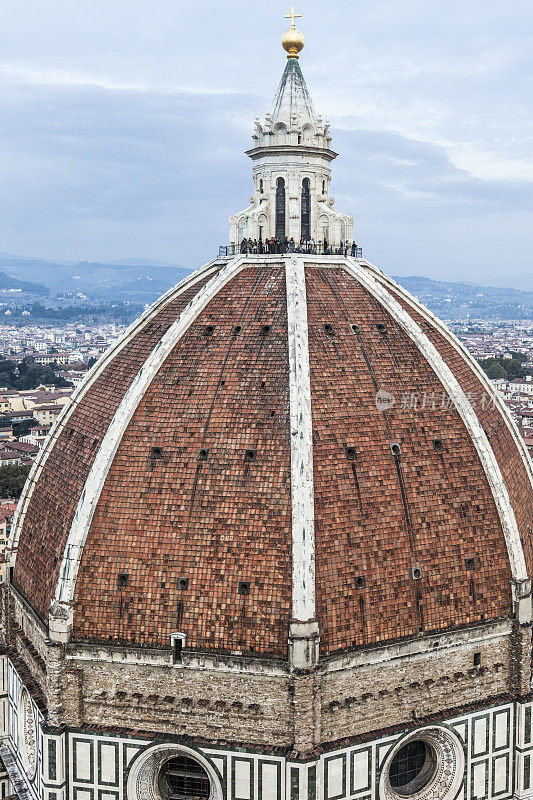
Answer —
323 229
306 208
343 232
280 208
262 224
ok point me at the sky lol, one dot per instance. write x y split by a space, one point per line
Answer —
123 125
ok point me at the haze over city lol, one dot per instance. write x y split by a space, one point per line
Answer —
124 126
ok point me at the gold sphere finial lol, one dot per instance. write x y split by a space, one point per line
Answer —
293 40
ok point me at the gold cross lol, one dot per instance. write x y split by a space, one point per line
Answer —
292 16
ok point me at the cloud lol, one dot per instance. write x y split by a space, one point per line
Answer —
103 174
124 126
33 77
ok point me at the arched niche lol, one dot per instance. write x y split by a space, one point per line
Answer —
308 134
280 133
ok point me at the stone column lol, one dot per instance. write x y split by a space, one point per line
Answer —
54 688
7 615
306 711
294 194
521 639
303 662
272 197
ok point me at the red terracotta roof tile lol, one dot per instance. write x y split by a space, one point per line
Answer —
405 542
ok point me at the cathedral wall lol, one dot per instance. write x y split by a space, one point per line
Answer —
26 634
210 704
33 663
392 685
484 750
487 752
26 621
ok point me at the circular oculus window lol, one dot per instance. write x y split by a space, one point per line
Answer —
183 778
412 768
171 772
425 765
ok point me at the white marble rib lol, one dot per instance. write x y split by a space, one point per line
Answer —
303 505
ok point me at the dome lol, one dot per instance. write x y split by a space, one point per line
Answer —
278 439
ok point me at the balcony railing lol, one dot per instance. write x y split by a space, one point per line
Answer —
230 250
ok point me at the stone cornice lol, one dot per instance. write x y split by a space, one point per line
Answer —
292 150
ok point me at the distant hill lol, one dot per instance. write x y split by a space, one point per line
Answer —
143 281
140 262
7 283
468 300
